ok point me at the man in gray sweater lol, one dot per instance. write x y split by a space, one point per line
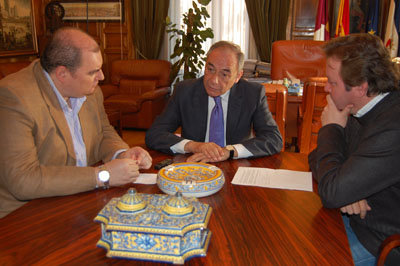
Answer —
357 160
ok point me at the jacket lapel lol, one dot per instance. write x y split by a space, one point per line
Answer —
234 109
201 104
54 108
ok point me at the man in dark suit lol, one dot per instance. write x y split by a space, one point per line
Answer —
241 107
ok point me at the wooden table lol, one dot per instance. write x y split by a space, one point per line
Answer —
250 225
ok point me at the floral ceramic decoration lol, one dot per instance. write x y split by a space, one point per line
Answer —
157 227
191 179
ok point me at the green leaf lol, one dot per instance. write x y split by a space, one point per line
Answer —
204 2
188 45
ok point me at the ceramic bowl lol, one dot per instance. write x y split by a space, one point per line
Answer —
191 179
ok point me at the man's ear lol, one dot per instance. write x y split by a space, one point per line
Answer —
362 89
61 73
240 74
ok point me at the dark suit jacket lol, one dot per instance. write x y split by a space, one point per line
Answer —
188 108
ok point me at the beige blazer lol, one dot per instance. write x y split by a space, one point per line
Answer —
37 157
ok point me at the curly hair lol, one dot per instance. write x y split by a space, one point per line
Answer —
364 58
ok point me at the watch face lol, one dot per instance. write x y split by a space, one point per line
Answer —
104 176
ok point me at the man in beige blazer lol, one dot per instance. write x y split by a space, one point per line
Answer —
54 127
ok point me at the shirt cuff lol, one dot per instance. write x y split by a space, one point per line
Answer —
242 151
179 147
118 152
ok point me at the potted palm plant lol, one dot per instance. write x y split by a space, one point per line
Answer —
188 41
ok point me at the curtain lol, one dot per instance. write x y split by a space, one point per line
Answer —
148 24
268 19
228 19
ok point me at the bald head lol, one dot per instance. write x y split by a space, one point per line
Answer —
65 49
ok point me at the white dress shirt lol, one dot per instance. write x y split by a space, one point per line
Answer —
241 150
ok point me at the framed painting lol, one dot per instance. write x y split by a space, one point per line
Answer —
17 28
93 10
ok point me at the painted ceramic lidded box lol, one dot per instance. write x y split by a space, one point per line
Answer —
165 228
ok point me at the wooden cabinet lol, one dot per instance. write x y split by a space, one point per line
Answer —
114 38
303 14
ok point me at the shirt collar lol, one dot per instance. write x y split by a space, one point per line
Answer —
366 108
75 102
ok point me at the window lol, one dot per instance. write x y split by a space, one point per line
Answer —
228 19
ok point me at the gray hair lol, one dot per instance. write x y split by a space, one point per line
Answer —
234 47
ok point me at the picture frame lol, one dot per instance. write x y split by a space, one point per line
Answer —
93 10
17 31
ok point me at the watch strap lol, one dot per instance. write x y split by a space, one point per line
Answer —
231 150
231 154
106 184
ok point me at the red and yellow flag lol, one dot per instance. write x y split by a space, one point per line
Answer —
322 22
343 20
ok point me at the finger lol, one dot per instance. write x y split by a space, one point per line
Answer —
363 213
347 109
133 179
346 209
356 208
364 208
194 158
205 160
218 153
349 209
211 152
329 99
146 164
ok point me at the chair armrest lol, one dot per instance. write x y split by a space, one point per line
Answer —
108 90
154 94
390 243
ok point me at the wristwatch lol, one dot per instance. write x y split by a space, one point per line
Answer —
104 176
231 150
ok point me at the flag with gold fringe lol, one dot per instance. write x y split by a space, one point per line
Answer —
391 40
343 20
373 17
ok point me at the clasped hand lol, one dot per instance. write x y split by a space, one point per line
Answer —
206 152
360 207
125 169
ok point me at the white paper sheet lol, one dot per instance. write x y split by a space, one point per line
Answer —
146 179
273 178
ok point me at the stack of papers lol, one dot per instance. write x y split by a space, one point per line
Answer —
146 179
273 178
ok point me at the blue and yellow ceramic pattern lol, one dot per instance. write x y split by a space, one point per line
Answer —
192 179
152 233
